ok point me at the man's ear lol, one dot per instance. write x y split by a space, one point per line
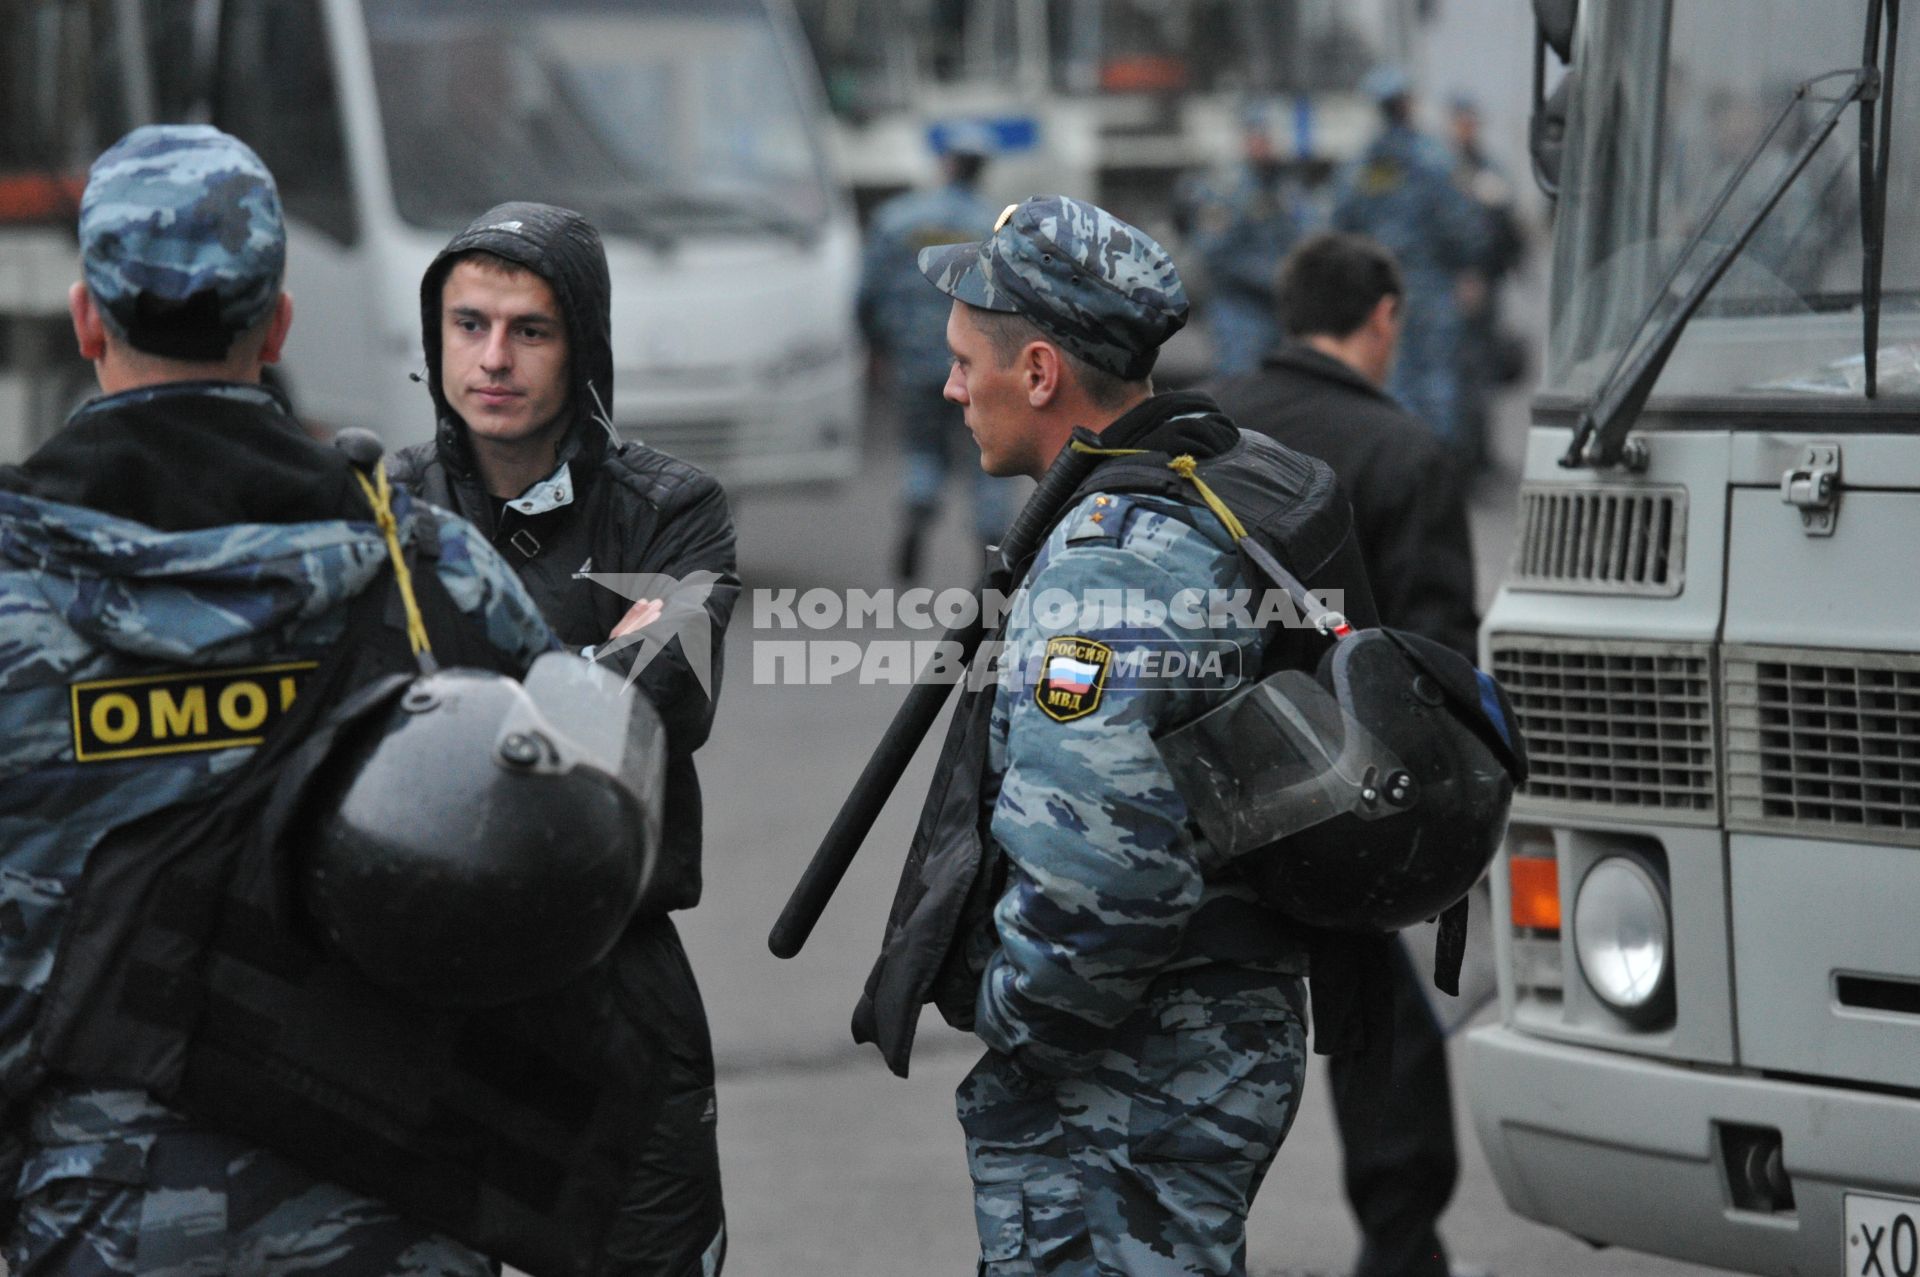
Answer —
277 328
89 329
1042 369
1385 318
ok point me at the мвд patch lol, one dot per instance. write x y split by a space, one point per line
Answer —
1072 675
176 713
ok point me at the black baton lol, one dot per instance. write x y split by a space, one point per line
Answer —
916 714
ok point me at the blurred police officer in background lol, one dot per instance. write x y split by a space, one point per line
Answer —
1144 1014
1240 223
181 531
1323 393
1400 191
905 324
516 321
1488 358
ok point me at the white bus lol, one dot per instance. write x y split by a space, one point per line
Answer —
689 131
1707 939
1107 99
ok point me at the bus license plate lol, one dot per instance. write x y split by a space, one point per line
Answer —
1883 1236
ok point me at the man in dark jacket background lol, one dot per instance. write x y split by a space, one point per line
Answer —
1340 301
630 555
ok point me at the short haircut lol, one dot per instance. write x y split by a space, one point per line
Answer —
1009 333
197 337
1331 282
491 262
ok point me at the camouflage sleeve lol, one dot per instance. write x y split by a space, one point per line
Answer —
1462 231
880 259
1102 871
1345 213
481 583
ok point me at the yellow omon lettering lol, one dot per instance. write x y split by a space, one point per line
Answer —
184 717
115 718
238 717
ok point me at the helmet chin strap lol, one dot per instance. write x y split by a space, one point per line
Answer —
380 496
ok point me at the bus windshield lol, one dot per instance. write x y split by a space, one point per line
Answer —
881 48
652 118
1211 45
1668 102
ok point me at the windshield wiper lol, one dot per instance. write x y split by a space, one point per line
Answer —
1873 187
1600 438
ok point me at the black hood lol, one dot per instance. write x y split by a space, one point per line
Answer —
564 249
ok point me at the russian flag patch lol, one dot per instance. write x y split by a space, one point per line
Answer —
1072 674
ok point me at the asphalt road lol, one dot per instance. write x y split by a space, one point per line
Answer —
833 1166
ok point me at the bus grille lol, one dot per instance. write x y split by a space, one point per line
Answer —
1613 724
1592 539
1823 742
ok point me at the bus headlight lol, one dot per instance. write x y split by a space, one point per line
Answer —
1624 939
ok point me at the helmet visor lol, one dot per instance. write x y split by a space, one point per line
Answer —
1279 757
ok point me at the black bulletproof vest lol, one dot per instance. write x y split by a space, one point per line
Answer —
188 970
952 877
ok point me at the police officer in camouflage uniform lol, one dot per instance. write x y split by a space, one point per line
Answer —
905 324
179 534
1400 191
1241 223
1504 245
1143 1013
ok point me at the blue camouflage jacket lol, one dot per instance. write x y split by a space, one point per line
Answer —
138 665
1401 191
1108 887
901 317
1242 223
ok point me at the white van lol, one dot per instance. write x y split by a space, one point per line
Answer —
688 131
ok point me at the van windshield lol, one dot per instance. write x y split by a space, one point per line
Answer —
1668 102
653 118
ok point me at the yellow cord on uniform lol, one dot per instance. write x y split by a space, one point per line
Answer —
380 497
1092 451
1185 467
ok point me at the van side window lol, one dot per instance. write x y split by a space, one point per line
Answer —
277 93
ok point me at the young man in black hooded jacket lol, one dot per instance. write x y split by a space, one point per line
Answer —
630 555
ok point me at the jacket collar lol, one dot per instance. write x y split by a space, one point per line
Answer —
1183 421
1299 357
584 446
191 455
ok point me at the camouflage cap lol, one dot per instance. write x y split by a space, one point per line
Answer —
1101 288
181 239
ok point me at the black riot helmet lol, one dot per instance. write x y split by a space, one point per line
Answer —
471 840
1368 796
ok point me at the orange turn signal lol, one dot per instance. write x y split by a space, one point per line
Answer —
1536 891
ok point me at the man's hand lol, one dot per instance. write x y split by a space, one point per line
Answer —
642 614
663 608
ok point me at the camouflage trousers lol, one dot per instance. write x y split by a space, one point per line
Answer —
112 1184
1147 1164
935 440
1426 372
